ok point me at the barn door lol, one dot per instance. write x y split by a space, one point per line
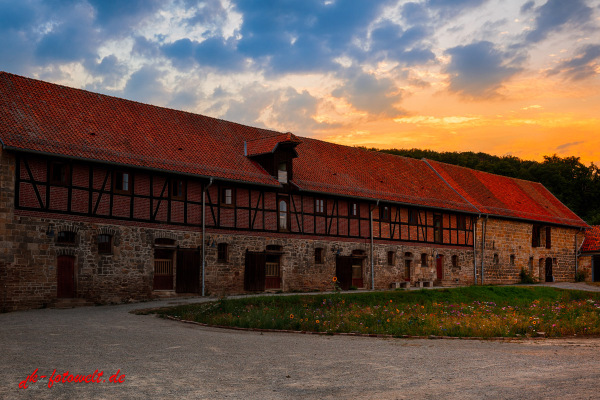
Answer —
65 277
343 271
188 271
254 272
163 269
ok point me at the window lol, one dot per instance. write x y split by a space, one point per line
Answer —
283 215
496 260
282 174
384 213
122 182
437 228
222 253
424 260
353 209
548 237
390 258
164 242
104 244
319 206
455 261
461 222
65 237
413 217
59 173
177 189
226 196
318 255
535 235
512 259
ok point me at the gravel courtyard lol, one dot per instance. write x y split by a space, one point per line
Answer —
167 359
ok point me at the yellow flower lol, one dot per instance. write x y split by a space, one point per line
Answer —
317 321
388 320
291 316
335 278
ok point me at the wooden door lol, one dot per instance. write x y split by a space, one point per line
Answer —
163 269
254 271
343 271
65 277
407 264
549 277
439 265
273 272
596 268
188 271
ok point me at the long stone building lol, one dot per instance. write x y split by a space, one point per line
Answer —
111 200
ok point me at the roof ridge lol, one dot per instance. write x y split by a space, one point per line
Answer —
485 172
449 185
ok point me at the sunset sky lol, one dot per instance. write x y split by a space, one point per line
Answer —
500 76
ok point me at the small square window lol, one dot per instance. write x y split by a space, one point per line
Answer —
455 261
319 206
461 222
222 252
59 173
282 173
318 255
66 237
105 244
122 182
227 197
177 189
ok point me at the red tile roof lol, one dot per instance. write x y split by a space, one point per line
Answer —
508 197
350 171
266 145
40 116
591 244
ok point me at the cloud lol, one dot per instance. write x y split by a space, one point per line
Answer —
451 8
478 70
389 41
280 109
302 36
527 6
366 92
144 85
119 16
584 65
109 69
565 146
554 15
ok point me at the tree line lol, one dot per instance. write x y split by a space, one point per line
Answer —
575 184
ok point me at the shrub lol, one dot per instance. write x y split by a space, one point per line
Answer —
525 277
353 287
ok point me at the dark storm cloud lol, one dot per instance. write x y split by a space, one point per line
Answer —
583 65
556 14
478 70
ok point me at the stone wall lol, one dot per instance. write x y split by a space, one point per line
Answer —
508 249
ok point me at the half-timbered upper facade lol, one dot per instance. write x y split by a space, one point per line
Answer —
93 184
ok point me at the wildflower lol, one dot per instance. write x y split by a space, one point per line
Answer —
317 321
335 278
388 320
291 316
390 301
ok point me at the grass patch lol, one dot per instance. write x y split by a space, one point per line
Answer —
482 311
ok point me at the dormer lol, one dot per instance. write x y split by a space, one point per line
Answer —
275 154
